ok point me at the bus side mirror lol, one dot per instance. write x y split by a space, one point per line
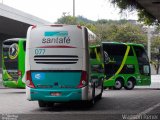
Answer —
146 69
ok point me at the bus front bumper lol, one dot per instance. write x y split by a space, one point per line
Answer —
13 84
66 95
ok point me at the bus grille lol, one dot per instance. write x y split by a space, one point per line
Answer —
56 59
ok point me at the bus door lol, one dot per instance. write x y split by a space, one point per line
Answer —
143 64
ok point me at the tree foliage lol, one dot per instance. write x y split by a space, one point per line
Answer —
109 30
70 20
67 20
121 33
131 5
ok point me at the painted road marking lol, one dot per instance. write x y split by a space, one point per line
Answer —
144 112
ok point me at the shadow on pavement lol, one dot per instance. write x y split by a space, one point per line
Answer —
16 92
69 106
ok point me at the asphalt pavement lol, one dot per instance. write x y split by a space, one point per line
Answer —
140 103
115 105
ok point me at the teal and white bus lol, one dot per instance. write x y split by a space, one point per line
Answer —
13 62
58 65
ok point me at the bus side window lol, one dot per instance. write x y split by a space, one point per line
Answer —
128 69
142 60
92 54
99 53
24 45
96 58
130 52
141 55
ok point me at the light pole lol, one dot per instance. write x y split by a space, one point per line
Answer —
73 8
150 33
149 42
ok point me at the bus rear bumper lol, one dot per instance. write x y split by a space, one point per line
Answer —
66 95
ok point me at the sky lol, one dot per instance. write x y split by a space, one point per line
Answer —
51 10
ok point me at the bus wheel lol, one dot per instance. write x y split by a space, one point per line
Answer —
100 95
130 85
92 102
42 104
118 84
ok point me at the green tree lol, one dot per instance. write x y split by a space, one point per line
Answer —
122 33
67 19
77 21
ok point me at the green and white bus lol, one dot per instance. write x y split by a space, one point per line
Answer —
127 65
13 62
58 65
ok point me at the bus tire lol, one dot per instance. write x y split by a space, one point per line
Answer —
92 101
118 84
100 95
42 104
130 84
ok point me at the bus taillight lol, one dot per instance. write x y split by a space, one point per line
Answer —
83 81
29 82
34 26
80 27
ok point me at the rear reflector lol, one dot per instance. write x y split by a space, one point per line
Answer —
29 82
83 81
80 27
34 26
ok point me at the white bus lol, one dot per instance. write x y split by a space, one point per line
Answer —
58 65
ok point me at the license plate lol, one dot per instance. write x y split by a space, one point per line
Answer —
55 94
